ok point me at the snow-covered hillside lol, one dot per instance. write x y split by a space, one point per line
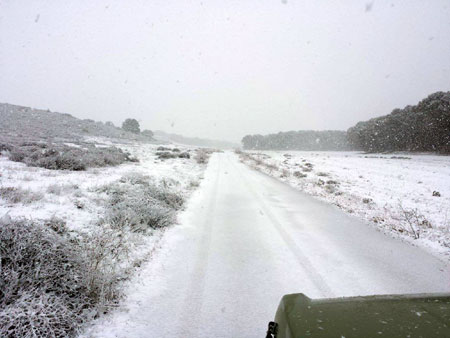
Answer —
404 194
20 124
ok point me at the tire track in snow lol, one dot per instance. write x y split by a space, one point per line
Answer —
194 299
301 258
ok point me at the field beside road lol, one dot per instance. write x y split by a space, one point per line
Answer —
406 195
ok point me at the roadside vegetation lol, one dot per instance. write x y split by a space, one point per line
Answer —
200 155
74 226
52 280
137 204
63 157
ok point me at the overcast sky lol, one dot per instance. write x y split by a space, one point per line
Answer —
223 69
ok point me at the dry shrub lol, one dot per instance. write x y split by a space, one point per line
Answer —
63 157
38 314
58 225
50 283
184 155
53 280
138 203
164 155
271 167
202 156
285 173
161 148
299 174
58 189
194 184
18 195
413 220
44 288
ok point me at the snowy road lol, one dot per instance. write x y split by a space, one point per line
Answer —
244 241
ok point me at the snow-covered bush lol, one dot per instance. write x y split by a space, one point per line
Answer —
39 314
5 147
166 155
50 282
63 157
194 184
202 156
299 174
329 188
138 203
19 195
134 178
413 221
58 225
184 155
44 290
162 191
161 148
285 173
139 215
58 189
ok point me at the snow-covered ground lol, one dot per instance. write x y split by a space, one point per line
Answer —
75 198
71 195
109 220
407 195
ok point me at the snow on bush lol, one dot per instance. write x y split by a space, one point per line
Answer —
138 203
45 288
59 272
202 155
164 155
52 279
63 157
19 195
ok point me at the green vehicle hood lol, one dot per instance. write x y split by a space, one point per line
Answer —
424 315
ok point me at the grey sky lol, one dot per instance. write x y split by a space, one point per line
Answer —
223 69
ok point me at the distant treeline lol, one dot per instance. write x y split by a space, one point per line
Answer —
424 127
298 140
194 141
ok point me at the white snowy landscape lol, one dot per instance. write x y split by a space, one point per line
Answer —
224 169
115 236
